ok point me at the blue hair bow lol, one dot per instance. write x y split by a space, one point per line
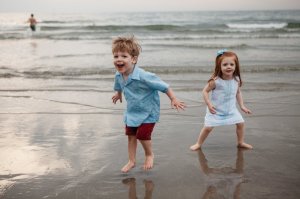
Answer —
221 52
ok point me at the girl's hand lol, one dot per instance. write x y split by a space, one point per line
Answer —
246 110
211 109
177 104
116 97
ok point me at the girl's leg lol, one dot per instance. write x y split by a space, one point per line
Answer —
149 156
203 135
132 145
240 136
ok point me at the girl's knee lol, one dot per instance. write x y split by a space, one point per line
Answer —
240 125
208 129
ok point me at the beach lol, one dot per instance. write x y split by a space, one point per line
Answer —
62 137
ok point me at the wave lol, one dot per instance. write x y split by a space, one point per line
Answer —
191 69
206 46
293 25
110 27
48 74
257 25
175 37
91 73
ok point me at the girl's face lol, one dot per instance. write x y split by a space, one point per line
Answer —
124 62
228 67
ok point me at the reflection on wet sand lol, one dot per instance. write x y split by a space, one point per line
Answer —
223 182
131 183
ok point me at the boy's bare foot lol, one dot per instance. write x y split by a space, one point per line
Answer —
149 162
128 166
195 147
245 145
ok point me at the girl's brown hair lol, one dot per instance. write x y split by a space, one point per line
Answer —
126 44
218 71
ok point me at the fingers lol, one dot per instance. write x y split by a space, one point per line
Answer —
115 99
248 112
179 105
213 110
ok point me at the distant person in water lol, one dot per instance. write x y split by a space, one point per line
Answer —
32 22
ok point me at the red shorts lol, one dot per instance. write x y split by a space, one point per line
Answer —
142 132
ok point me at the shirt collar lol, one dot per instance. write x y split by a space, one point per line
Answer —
134 75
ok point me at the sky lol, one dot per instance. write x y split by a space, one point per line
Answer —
94 6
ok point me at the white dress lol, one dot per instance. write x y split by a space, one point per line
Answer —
223 98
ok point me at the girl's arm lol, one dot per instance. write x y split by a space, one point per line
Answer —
174 101
240 101
117 96
205 93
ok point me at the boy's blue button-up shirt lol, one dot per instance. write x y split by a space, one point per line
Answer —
141 93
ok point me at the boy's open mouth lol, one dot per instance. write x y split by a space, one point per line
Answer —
120 65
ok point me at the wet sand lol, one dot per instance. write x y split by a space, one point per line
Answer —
76 150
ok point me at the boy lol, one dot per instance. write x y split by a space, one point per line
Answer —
140 89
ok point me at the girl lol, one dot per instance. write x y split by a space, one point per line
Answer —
225 85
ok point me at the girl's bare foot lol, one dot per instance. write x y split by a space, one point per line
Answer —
128 166
149 162
245 145
195 147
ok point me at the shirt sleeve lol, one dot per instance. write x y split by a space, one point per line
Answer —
154 82
117 86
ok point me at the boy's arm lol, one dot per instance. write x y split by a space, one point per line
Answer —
174 101
240 101
117 96
205 93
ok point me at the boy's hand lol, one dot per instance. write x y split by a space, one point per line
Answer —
177 104
116 97
246 110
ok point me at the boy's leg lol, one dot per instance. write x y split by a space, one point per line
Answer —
132 145
240 136
203 135
149 156
144 136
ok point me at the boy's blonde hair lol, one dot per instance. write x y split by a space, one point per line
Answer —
126 44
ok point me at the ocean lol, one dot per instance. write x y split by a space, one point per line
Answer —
62 137
78 46
168 39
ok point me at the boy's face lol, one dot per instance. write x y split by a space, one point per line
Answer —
124 62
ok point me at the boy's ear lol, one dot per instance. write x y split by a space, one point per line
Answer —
135 58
